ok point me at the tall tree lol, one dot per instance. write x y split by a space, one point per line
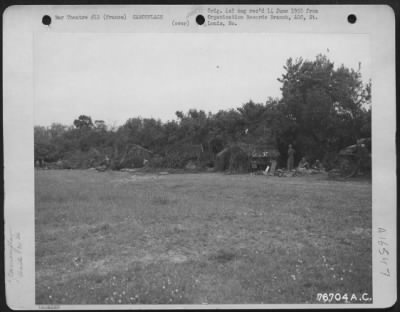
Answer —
83 122
324 107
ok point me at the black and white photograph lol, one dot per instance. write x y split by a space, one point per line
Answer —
203 167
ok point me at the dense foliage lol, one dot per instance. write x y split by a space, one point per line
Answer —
322 109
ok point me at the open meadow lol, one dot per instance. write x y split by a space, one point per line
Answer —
120 238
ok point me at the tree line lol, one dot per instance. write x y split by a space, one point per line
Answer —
322 109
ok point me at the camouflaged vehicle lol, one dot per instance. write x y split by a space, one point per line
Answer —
355 159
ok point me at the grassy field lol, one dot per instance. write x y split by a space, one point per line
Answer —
115 237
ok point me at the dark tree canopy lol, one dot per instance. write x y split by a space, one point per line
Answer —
83 122
323 108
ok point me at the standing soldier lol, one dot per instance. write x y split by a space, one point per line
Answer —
290 161
107 162
362 156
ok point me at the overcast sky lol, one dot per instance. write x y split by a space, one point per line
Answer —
113 77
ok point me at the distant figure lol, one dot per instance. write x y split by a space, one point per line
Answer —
145 162
290 161
274 162
303 164
362 151
107 161
41 163
362 155
317 165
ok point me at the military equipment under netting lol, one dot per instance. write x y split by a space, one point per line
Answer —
248 153
355 159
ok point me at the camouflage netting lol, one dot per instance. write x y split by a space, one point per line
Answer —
157 161
179 155
237 157
133 156
233 158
